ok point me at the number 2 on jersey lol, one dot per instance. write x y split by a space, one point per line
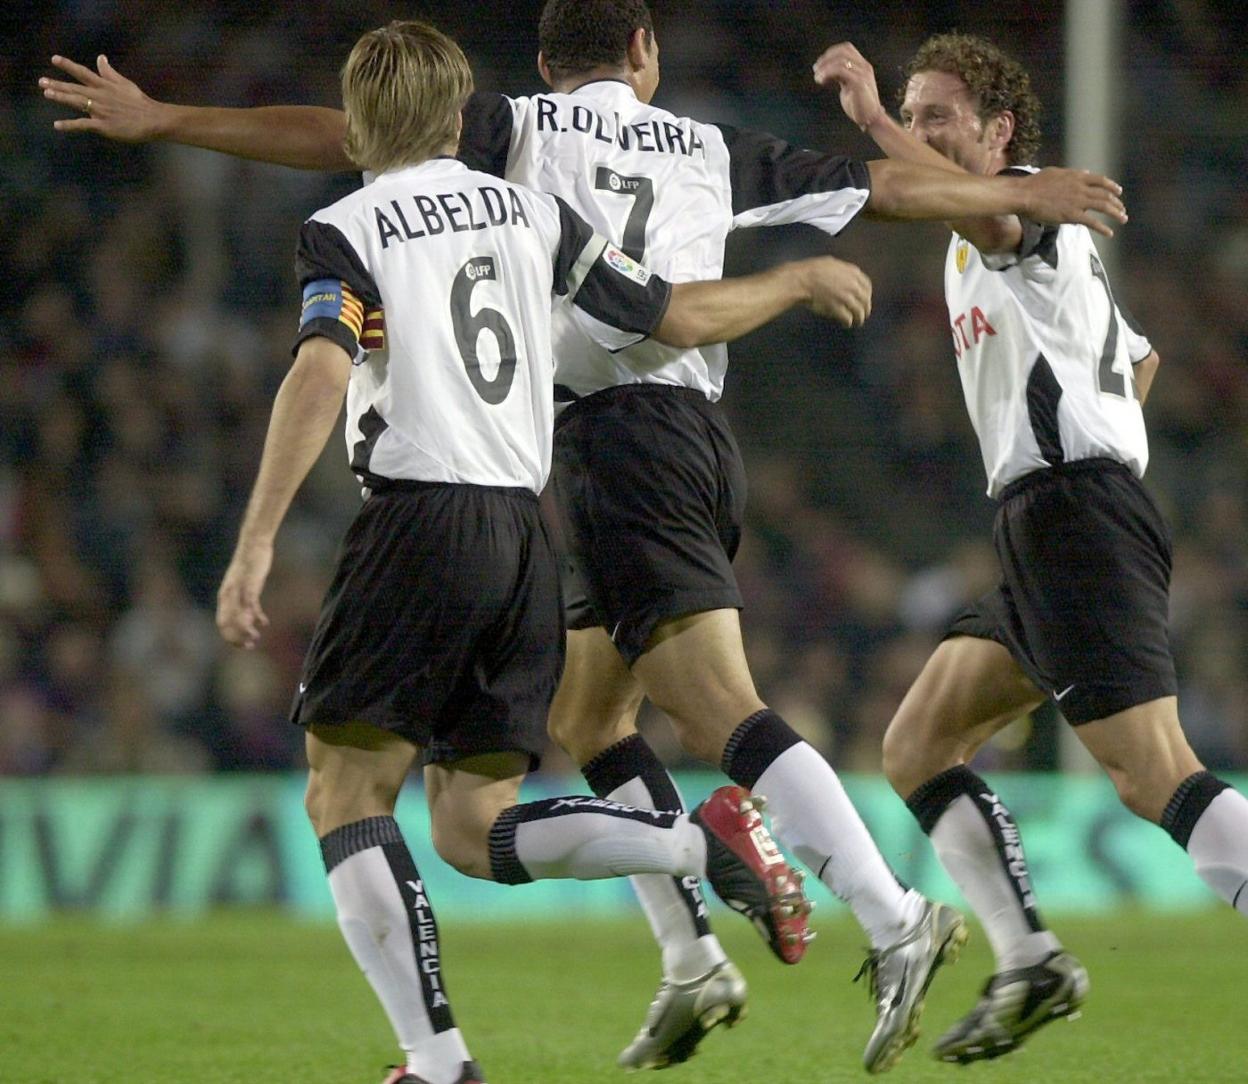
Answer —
469 325
641 191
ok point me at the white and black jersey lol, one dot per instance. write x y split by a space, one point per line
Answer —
665 188
1045 352
466 268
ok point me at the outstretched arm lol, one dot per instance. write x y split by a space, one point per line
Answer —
713 312
620 302
304 137
304 414
904 190
981 209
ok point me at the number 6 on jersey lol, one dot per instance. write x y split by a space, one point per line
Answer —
468 327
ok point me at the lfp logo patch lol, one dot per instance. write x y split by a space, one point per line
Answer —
626 265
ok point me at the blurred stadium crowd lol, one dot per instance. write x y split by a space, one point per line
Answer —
151 303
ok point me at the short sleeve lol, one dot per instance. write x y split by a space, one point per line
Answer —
340 300
616 300
485 141
1138 345
774 183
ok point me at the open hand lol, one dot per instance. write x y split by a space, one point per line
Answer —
240 619
1074 195
842 65
838 290
114 106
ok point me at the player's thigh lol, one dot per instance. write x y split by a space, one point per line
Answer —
354 771
597 700
1144 752
465 798
968 690
695 670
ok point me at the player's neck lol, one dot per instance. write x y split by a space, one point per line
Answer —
603 73
996 164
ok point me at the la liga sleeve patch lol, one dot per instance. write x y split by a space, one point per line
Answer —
626 265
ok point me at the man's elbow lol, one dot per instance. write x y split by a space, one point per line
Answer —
678 330
321 367
994 236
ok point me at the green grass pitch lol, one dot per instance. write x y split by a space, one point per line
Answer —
251 998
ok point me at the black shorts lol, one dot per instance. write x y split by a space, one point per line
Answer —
651 487
1084 599
443 623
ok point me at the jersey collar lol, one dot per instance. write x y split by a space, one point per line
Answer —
606 90
440 166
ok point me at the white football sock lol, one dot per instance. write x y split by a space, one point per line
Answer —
969 850
590 838
672 907
1219 848
813 817
388 924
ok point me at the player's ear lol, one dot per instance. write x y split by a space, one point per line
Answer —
543 69
638 49
1001 129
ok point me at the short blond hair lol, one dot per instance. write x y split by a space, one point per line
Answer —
403 88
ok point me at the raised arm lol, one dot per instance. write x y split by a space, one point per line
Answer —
304 137
981 209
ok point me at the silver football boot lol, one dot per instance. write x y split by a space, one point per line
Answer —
1013 1005
682 1013
899 976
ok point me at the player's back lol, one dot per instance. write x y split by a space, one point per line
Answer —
657 184
461 262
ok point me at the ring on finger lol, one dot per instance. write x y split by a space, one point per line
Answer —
87 108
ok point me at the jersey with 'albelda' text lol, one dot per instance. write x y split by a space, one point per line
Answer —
666 189
466 268
1046 354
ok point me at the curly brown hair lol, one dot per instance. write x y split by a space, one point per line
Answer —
997 82
576 36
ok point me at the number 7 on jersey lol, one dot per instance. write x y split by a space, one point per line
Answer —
641 190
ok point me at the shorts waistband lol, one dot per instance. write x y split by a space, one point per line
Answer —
606 396
386 486
1061 470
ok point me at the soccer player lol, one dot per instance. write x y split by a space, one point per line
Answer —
441 633
647 473
1054 374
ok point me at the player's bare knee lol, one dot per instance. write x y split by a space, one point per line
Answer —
898 756
583 735
1139 795
910 758
704 743
314 801
462 846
